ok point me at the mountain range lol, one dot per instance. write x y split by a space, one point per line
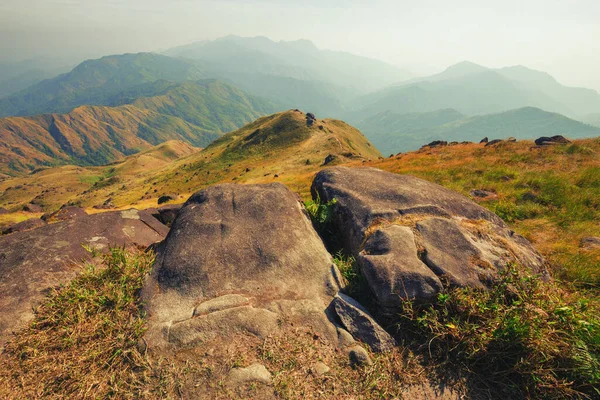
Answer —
196 112
117 105
392 132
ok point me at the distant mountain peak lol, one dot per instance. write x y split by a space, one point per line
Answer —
302 44
465 67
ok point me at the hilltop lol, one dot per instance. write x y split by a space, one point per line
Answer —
281 147
196 112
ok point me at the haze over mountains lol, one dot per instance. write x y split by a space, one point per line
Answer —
117 105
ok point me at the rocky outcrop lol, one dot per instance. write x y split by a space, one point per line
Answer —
357 320
238 260
549 141
34 261
410 236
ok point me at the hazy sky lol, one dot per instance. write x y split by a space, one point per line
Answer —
561 37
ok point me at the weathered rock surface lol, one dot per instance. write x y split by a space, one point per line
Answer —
3 211
238 260
64 214
26 225
32 262
409 235
390 263
359 357
167 214
549 141
361 325
253 373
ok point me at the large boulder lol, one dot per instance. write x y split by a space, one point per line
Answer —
411 236
239 259
34 261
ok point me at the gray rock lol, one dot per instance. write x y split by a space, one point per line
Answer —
32 262
361 325
320 368
359 357
366 196
253 373
393 270
484 140
450 254
3 211
345 339
549 141
409 236
239 259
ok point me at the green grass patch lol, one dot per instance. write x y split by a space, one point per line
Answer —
523 338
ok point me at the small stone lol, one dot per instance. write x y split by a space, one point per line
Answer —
320 369
345 339
359 357
358 321
254 373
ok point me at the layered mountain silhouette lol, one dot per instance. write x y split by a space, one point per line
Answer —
392 132
193 112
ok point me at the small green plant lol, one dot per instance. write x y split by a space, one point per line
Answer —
522 338
320 213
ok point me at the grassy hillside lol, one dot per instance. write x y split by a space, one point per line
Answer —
195 112
95 82
392 132
280 147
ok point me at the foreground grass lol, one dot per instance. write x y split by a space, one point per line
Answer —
83 341
523 338
526 337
